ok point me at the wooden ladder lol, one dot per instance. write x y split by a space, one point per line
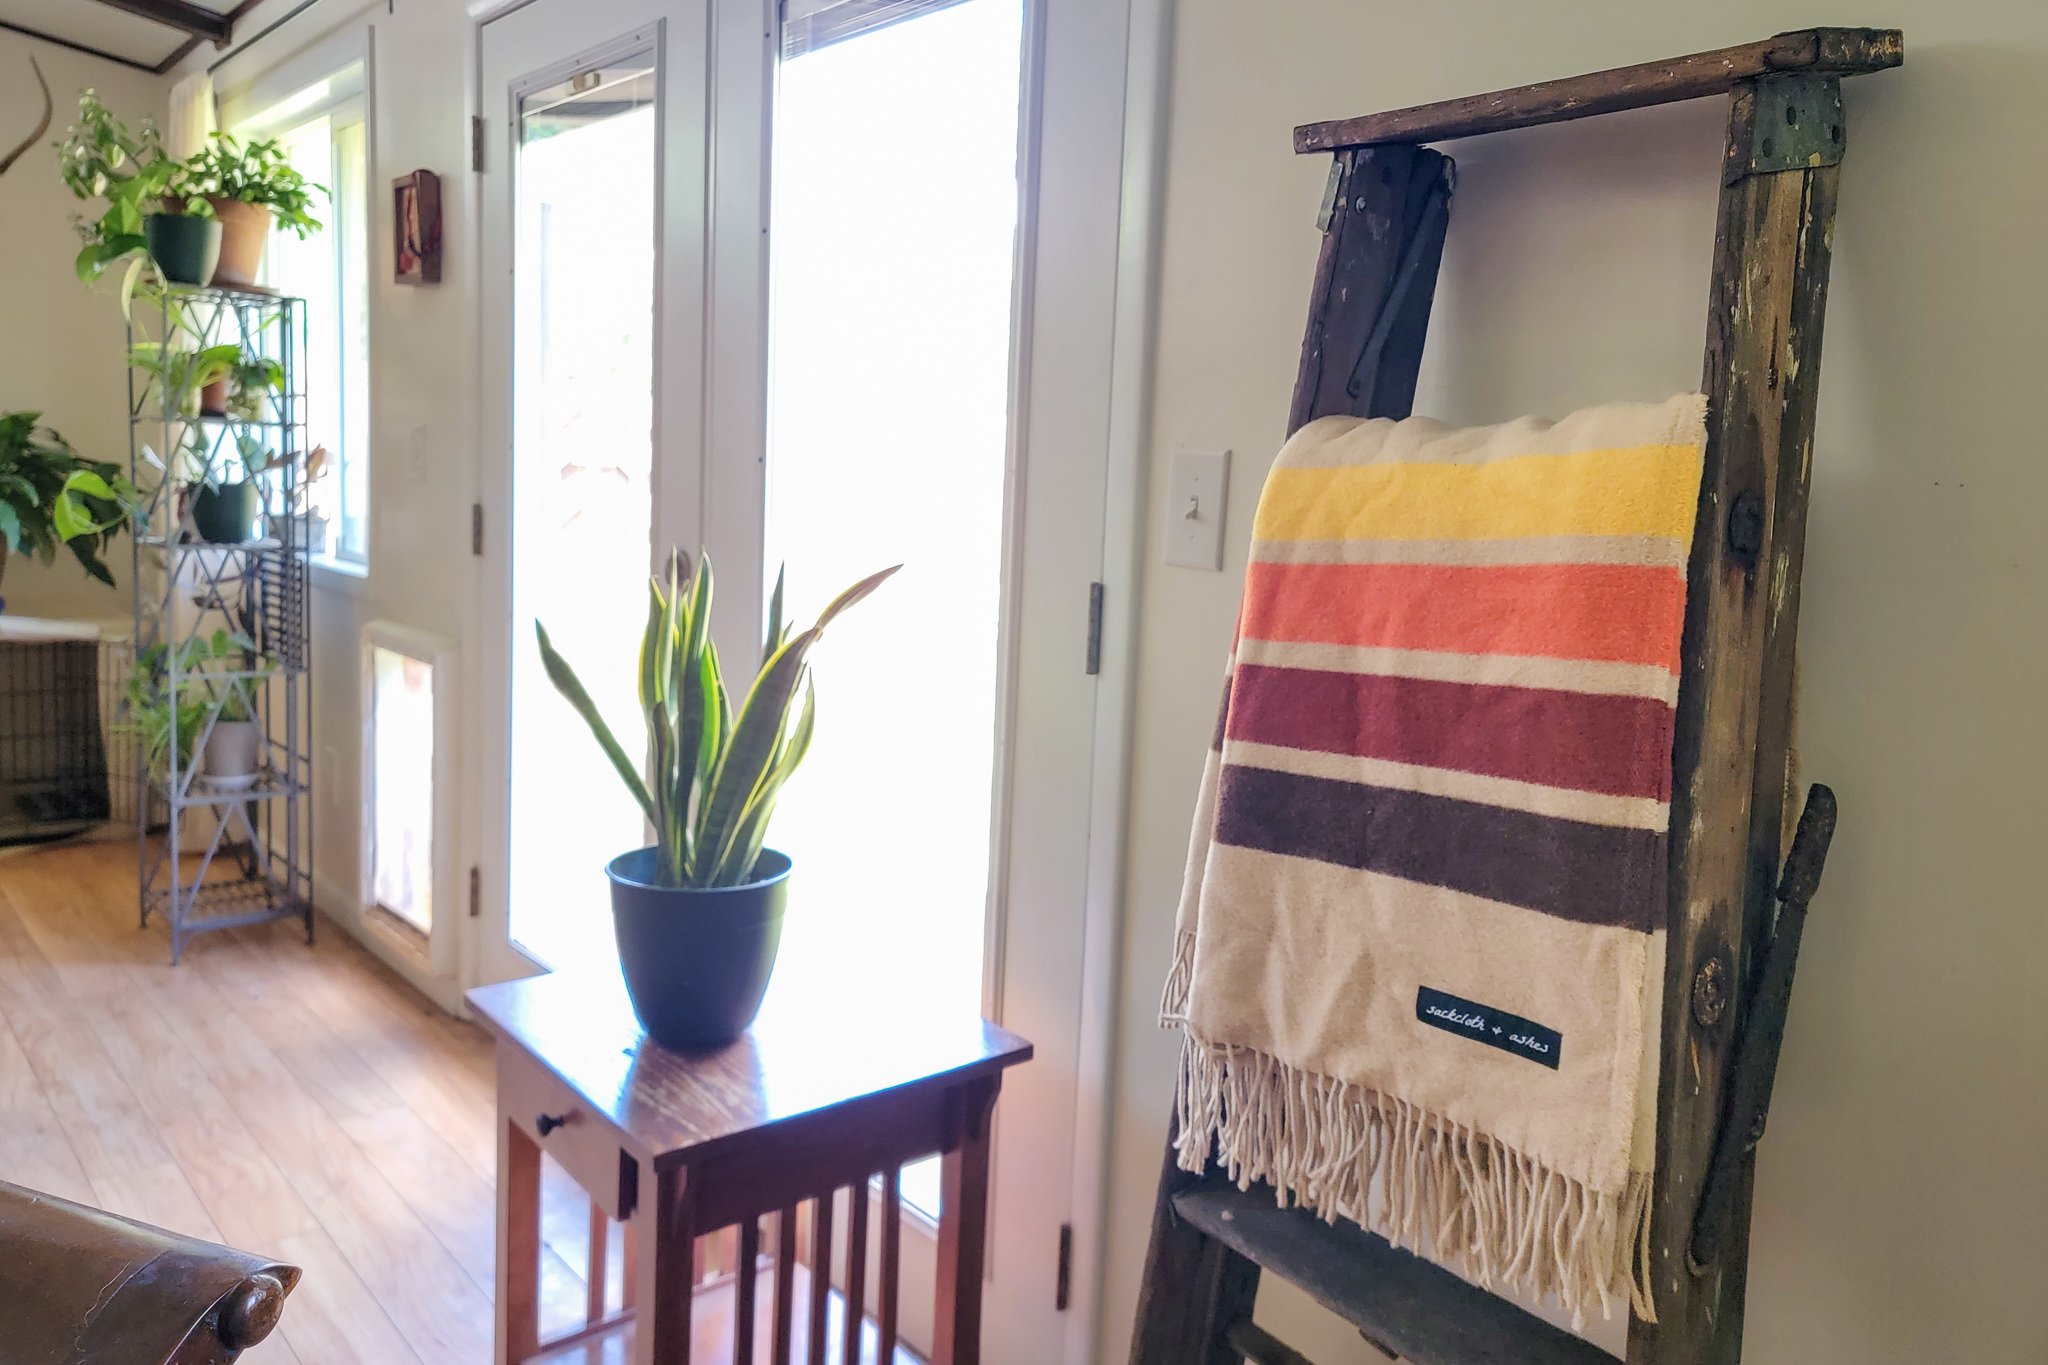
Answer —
1732 941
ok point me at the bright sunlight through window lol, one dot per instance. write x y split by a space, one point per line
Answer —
892 241
324 134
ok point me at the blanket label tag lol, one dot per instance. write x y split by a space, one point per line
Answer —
1485 1024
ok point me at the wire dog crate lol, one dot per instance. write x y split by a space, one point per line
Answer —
220 687
53 752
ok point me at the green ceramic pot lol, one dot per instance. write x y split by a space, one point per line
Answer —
697 960
225 514
185 248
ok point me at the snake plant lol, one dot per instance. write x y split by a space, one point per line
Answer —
713 773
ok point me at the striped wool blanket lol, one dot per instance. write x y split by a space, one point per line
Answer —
1419 959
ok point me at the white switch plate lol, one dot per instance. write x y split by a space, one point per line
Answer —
1197 499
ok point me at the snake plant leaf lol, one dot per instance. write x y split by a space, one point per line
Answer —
776 630
685 705
738 866
714 772
717 723
760 725
756 734
654 647
571 687
853 595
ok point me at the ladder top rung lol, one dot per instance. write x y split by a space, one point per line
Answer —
1836 51
1422 1312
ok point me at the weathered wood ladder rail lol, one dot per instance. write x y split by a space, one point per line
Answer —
1731 949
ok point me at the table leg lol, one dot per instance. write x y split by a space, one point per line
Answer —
518 1296
665 1227
963 1232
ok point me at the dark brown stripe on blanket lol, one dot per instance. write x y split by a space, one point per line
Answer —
1592 874
1585 741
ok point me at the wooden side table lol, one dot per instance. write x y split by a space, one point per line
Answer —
811 1101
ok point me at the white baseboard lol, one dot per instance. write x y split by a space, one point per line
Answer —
344 907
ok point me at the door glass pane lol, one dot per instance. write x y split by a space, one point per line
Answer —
891 267
582 423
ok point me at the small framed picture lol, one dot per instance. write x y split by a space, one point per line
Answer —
416 228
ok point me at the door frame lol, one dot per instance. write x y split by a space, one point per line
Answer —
1146 98
1128 79
492 954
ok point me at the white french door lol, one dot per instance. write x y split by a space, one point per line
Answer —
926 382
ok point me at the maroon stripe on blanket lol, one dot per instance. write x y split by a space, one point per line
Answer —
1591 874
1584 741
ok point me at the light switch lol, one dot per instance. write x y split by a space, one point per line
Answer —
1197 491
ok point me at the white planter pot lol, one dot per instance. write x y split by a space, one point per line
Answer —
233 751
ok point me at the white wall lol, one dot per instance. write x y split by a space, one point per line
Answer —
1902 1194
423 386
60 345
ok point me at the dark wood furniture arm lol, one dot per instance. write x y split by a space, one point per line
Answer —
85 1286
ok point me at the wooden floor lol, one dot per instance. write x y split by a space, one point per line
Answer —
302 1103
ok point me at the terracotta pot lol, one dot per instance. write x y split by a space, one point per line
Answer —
213 398
244 229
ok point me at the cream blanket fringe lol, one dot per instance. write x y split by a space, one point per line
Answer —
1496 1214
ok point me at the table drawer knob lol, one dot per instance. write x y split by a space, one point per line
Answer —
547 1123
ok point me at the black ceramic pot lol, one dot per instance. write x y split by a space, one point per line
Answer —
697 960
225 514
184 247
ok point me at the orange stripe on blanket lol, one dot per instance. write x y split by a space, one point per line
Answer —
1622 613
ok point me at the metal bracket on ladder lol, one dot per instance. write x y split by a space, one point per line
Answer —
1729 959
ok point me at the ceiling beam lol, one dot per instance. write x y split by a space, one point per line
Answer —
183 16
25 31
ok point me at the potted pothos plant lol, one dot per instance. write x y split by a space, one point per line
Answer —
242 389
50 495
187 381
150 210
228 496
167 720
698 915
250 186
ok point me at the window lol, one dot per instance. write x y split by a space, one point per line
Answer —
323 131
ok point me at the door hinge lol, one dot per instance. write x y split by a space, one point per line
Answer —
1066 1267
476 142
476 528
1094 628
476 895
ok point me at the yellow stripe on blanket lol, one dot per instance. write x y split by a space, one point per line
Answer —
1633 491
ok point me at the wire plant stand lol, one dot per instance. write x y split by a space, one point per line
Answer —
222 626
